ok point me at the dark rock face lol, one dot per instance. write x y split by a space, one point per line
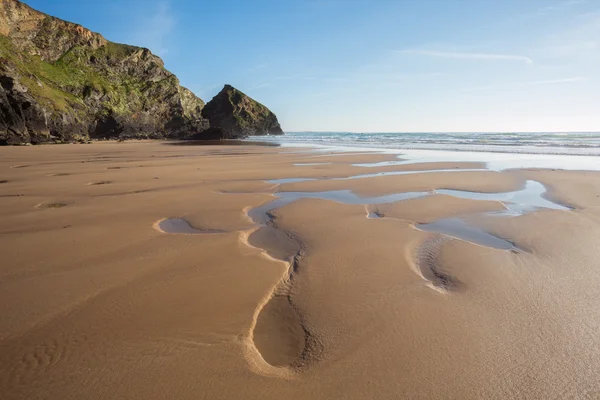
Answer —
18 110
61 82
236 115
23 120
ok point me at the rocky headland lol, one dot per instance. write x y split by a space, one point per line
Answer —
60 82
233 114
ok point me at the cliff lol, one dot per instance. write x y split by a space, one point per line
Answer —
61 82
232 114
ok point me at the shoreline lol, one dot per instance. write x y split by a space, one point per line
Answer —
549 143
494 160
183 261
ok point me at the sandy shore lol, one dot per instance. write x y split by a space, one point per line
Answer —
100 298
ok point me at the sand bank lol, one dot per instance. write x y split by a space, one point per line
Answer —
310 299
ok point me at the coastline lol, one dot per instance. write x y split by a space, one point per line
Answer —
358 302
548 143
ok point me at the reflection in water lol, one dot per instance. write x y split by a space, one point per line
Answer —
261 214
376 174
519 202
460 229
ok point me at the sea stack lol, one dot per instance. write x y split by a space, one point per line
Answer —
233 114
61 82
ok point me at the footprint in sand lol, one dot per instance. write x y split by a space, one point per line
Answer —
99 183
52 205
427 263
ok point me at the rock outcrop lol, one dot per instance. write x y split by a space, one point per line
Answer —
232 114
61 82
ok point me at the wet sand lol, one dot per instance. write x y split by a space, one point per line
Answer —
146 270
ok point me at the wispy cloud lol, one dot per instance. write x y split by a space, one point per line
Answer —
554 81
469 56
153 27
553 8
528 84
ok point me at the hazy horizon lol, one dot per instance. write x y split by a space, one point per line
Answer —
376 66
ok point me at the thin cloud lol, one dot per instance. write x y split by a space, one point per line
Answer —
554 81
527 84
470 56
556 7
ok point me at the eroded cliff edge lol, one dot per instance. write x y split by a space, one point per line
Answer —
60 82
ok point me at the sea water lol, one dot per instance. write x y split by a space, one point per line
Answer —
573 151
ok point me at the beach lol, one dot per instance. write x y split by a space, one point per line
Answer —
162 270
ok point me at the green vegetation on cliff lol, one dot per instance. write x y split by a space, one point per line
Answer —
62 82
38 76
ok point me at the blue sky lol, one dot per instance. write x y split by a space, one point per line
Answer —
375 65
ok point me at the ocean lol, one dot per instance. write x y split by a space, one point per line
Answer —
572 143
500 151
